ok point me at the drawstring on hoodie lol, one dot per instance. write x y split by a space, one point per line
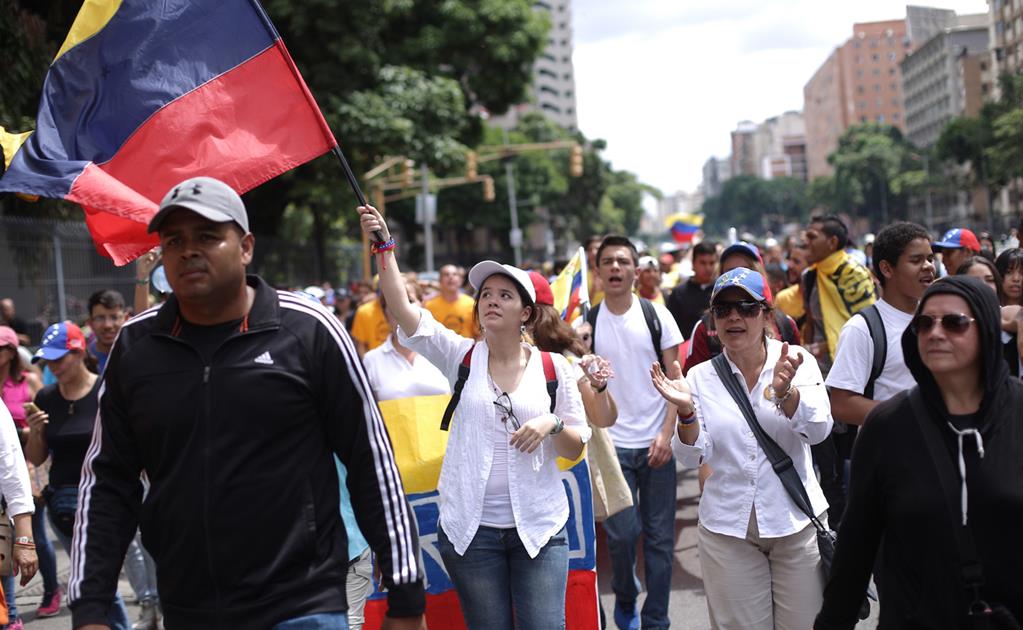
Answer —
962 460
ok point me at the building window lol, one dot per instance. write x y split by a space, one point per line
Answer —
892 56
859 89
875 57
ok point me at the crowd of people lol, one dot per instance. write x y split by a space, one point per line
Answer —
224 447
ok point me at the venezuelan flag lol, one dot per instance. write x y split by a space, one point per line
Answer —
570 289
419 451
145 94
684 226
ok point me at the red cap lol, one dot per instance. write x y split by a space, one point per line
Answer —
544 295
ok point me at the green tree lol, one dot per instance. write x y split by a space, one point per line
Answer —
871 165
752 204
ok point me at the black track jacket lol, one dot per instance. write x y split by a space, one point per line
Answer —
242 515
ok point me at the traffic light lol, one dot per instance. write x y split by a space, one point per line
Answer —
406 173
488 189
575 165
470 164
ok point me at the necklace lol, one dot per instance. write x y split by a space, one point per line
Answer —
70 408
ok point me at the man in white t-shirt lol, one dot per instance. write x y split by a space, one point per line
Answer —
624 333
905 267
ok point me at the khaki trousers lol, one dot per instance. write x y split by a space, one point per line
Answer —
761 583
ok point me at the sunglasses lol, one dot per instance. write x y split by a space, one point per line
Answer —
955 323
745 308
504 407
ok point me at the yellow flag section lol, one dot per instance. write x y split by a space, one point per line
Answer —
571 289
91 19
419 445
418 442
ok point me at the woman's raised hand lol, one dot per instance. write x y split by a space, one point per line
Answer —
673 386
371 221
785 370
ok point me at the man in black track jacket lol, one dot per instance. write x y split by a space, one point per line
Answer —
232 398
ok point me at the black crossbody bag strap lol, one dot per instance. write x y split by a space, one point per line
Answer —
970 568
780 460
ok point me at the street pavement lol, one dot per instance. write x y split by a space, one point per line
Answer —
687 609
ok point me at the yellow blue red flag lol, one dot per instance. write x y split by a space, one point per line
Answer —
684 226
145 94
570 288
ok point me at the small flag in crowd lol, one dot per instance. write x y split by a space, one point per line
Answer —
684 226
145 94
570 289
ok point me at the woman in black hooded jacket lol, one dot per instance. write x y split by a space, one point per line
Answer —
900 503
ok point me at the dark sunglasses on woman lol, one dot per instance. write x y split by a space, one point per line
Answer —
745 308
955 323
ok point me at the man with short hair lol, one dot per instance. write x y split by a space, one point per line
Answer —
451 307
834 288
905 266
689 300
955 247
106 316
9 318
233 398
369 325
624 333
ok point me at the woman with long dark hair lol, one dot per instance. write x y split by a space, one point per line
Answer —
61 428
937 479
503 507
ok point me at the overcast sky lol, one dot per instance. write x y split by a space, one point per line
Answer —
666 81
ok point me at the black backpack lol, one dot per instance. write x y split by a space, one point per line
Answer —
875 326
653 324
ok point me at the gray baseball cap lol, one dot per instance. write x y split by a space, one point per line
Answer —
205 196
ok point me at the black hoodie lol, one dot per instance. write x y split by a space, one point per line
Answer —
896 502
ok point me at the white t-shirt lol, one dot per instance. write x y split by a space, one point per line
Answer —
855 355
624 340
392 377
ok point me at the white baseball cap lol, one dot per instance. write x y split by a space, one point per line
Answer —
483 270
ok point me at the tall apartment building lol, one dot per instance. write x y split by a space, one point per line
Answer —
553 88
1006 31
745 156
781 146
859 82
939 76
716 171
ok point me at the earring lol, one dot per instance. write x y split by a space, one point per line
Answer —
522 329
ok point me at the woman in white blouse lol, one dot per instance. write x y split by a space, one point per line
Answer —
758 551
503 508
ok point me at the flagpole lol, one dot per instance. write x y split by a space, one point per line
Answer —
354 183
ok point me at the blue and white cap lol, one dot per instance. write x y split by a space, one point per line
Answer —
741 278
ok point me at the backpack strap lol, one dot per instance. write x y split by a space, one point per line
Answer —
875 326
456 394
551 376
591 317
653 323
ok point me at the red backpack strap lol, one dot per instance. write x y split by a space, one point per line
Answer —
463 375
551 376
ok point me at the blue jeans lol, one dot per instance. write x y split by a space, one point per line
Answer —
322 621
652 514
140 569
500 587
45 552
117 614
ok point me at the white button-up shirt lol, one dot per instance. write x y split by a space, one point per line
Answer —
538 499
743 476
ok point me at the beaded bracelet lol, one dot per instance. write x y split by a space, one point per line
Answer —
688 420
379 247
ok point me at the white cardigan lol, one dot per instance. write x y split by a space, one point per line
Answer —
539 504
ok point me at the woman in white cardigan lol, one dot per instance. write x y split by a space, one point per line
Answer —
503 508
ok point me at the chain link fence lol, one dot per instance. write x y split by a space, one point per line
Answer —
50 268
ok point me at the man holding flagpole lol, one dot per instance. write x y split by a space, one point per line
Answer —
233 399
